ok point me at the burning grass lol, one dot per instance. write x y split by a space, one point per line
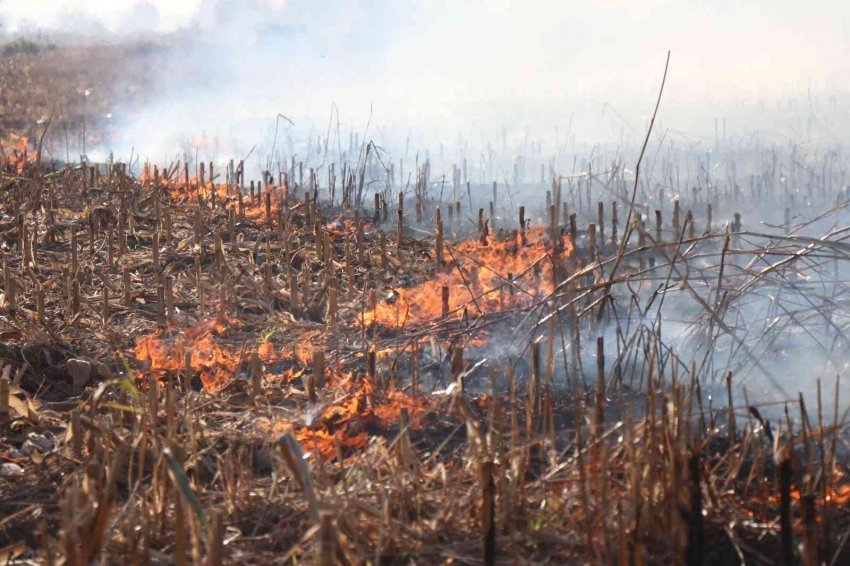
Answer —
197 372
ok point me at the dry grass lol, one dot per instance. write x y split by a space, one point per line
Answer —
197 373
55 81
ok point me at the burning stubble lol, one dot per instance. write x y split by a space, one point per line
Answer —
297 351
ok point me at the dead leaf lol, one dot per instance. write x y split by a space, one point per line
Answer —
13 334
18 406
9 553
32 413
80 371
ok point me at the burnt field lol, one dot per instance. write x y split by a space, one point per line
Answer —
626 354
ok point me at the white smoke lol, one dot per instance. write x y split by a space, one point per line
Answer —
438 71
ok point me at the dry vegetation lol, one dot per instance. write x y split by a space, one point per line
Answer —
53 82
198 369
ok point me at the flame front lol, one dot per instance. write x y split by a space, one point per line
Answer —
18 158
501 274
214 364
480 278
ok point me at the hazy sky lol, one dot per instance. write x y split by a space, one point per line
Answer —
112 13
438 63
537 47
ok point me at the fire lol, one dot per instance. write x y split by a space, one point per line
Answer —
482 278
204 142
346 419
182 192
319 441
324 442
837 492
214 364
19 157
343 226
390 411
266 351
253 209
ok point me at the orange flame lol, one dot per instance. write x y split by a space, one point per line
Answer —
478 280
479 276
345 419
214 364
19 157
